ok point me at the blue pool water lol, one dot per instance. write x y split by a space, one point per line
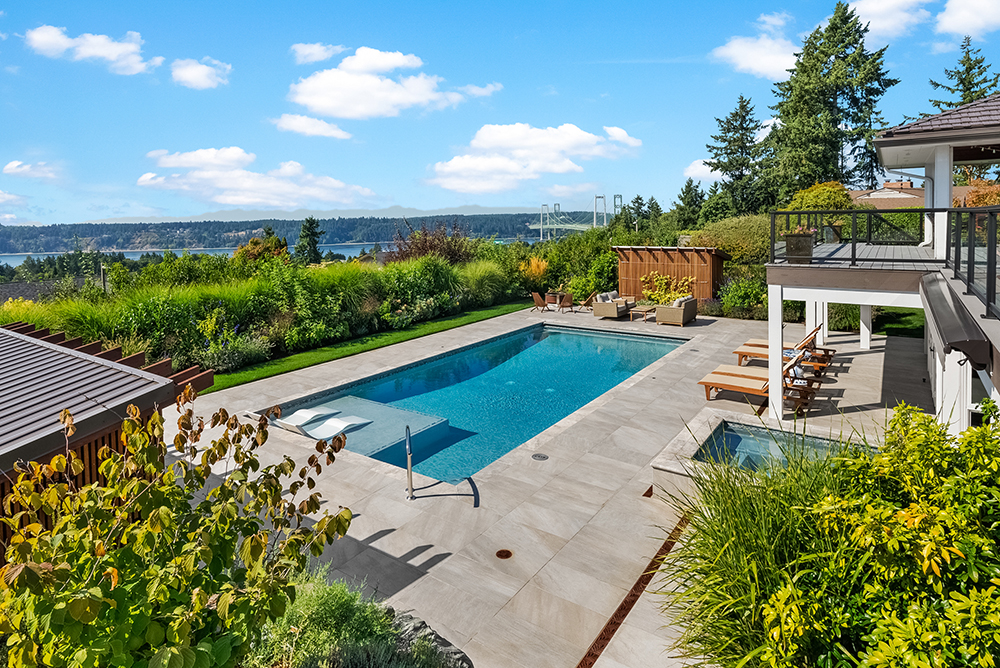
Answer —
500 394
751 447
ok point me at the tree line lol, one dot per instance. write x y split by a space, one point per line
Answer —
62 238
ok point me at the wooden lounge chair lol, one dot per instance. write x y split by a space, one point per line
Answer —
540 304
807 342
566 302
799 396
760 373
588 303
817 361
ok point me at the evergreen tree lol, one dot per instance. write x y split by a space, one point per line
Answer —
827 109
737 155
718 205
688 205
307 249
654 210
972 79
268 232
638 207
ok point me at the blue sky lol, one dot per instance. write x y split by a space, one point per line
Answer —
114 109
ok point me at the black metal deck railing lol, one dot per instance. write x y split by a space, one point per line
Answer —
856 235
972 253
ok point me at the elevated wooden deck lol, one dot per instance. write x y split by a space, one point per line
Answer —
869 256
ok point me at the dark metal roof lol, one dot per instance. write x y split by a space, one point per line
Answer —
38 379
958 328
984 113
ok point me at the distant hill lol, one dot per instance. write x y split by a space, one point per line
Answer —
194 234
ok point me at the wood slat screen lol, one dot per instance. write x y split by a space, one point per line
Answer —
88 452
634 262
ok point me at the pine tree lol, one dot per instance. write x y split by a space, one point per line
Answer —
688 205
654 209
972 79
638 207
737 155
307 249
972 82
827 109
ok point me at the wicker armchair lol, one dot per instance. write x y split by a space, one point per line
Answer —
677 315
610 309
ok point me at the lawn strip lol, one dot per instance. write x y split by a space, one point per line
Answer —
359 345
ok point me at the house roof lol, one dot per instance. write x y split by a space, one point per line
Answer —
984 113
38 379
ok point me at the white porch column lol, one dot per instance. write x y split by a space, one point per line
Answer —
866 327
929 203
942 196
776 390
810 315
822 316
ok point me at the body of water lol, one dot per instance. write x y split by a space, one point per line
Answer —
348 250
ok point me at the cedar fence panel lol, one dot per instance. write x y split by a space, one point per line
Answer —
705 264
87 449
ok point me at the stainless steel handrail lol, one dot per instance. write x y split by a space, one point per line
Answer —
409 467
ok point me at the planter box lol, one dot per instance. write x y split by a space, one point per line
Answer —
799 248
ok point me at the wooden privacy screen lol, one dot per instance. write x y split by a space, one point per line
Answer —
87 449
705 264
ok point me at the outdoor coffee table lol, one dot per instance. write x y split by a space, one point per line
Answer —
644 311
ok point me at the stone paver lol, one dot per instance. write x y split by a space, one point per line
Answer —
578 524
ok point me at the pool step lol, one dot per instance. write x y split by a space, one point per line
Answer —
387 427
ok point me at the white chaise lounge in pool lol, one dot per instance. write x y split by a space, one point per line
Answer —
304 416
334 427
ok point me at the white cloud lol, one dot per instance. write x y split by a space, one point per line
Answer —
123 57
367 59
773 22
10 198
571 191
699 171
309 126
358 88
216 175
481 91
39 170
969 17
768 55
619 135
887 19
500 157
314 53
208 73
230 157
13 69
943 47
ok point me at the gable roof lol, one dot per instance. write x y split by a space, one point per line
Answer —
984 113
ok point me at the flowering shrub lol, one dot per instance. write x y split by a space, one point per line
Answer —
799 229
665 289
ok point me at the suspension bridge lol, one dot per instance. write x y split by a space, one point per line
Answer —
551 223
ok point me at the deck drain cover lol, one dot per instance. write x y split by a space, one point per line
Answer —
539 457
504 554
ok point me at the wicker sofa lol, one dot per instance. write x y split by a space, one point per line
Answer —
610 305
677 314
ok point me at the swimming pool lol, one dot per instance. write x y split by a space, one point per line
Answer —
494 396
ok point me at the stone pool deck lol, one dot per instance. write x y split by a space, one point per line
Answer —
579 527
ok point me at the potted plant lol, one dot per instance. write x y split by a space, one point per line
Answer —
799 243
